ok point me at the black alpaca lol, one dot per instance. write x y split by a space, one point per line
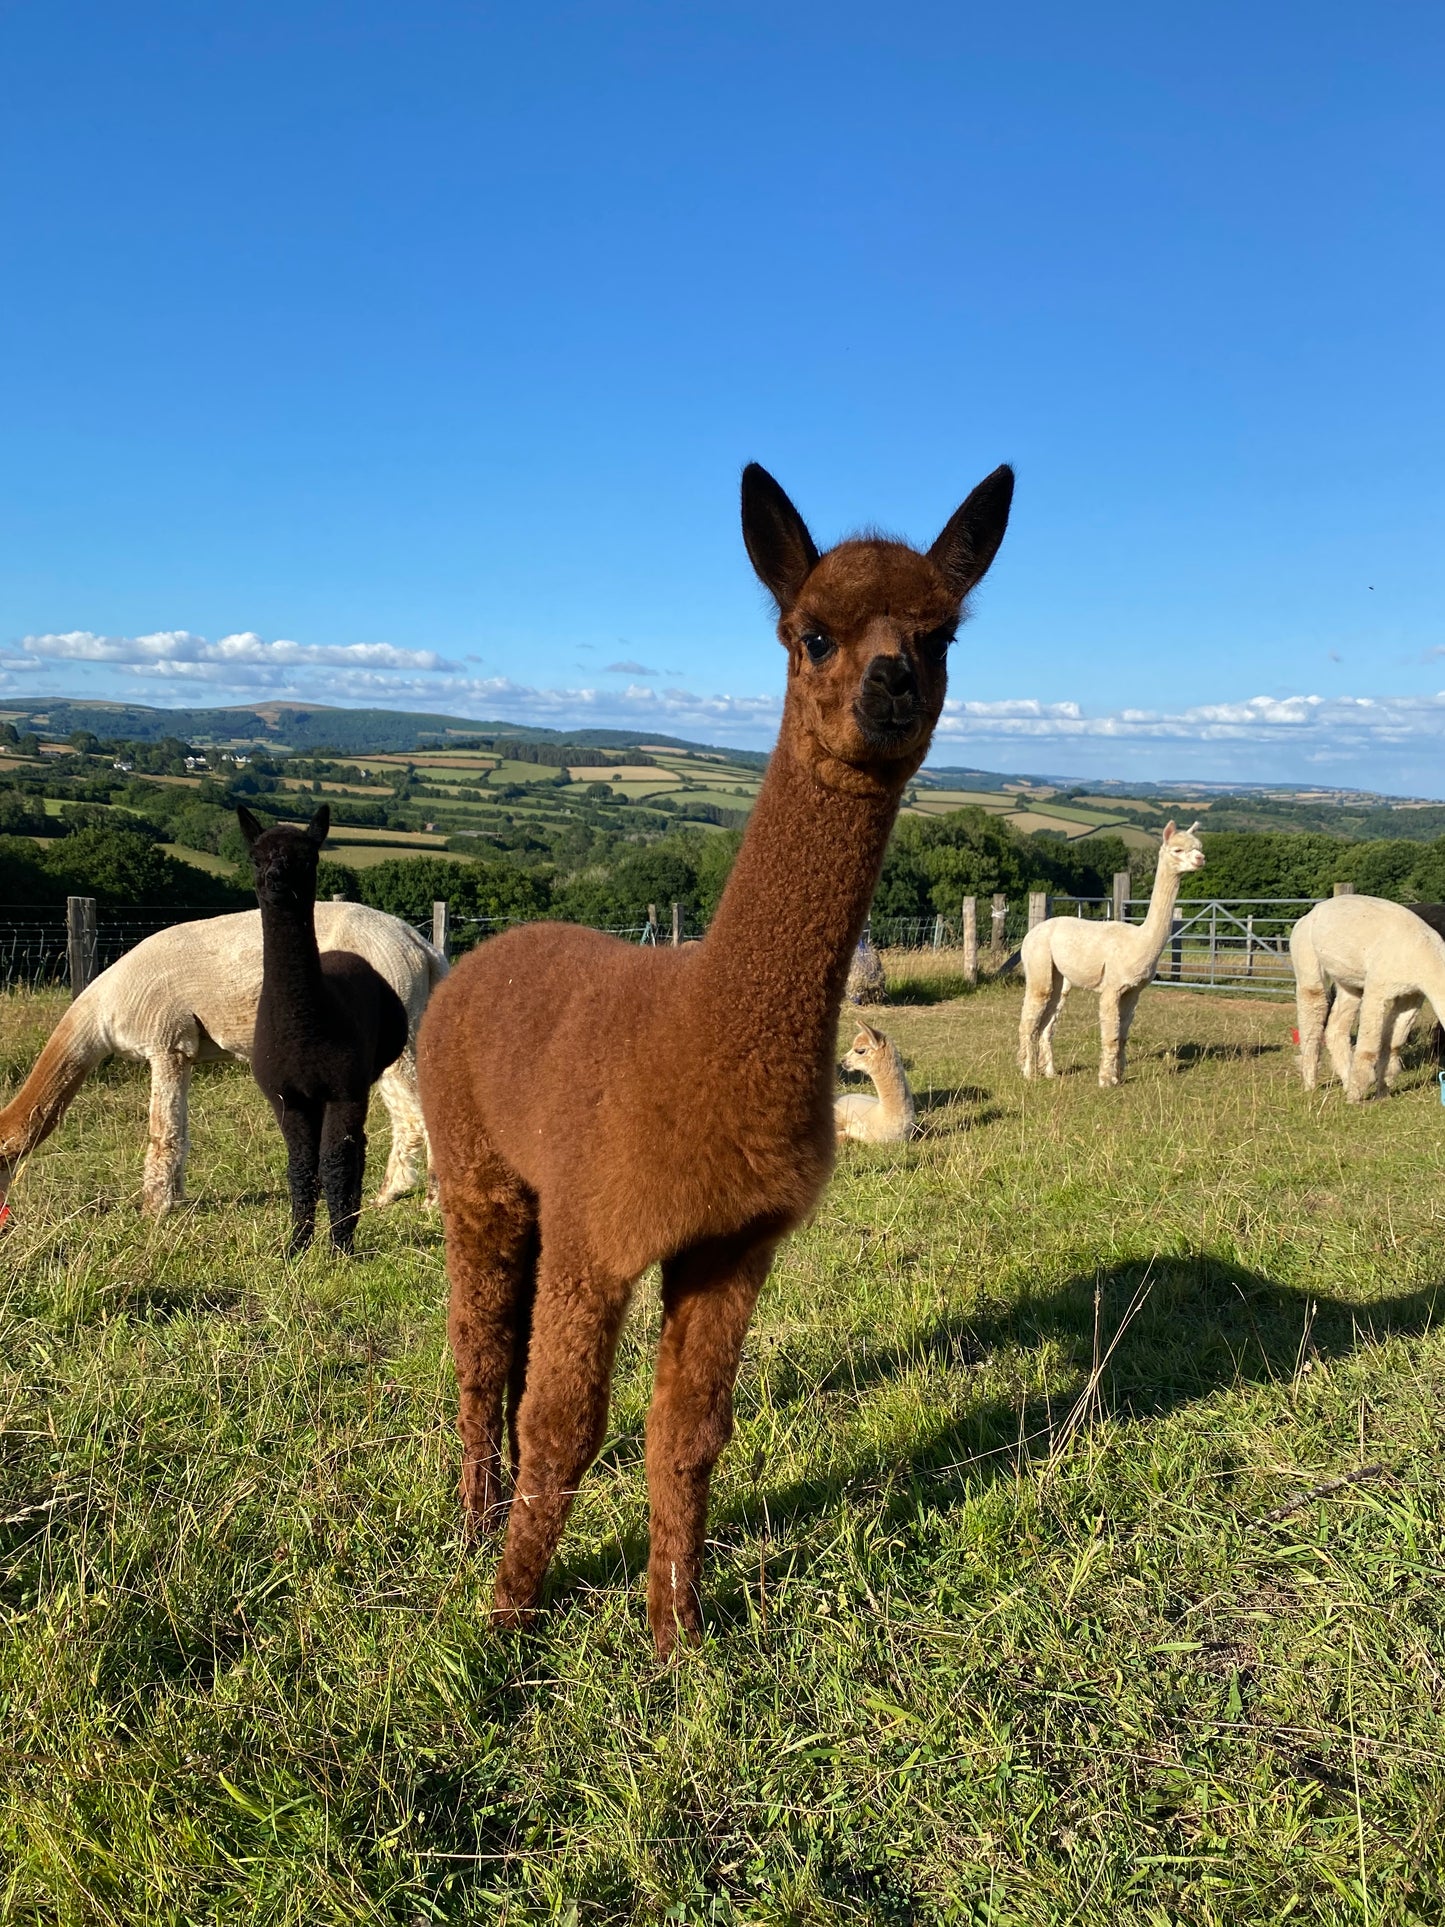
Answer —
326 1028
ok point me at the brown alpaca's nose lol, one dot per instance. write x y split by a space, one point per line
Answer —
888 699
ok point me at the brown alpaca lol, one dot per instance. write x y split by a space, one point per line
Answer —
595 1107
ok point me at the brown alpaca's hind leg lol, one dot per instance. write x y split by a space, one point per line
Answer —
708 1295
491 1234
343 1166
562 1419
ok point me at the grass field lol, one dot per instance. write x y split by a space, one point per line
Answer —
1079 1555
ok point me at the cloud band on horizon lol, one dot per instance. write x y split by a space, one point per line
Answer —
1311 729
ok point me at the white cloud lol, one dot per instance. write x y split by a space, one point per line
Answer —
1379 741
179 653
1332 722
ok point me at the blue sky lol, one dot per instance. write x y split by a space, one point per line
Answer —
410 354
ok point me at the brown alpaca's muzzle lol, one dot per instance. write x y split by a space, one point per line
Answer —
889 708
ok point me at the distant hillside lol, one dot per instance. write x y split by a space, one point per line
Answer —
1039 804
310 727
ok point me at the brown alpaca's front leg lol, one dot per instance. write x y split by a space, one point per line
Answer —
491 1234
562 1419
708 1295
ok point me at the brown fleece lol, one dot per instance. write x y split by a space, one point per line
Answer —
595 1107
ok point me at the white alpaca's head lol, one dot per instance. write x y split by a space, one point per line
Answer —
1181 851
869 1050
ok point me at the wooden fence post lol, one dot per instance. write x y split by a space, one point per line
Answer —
1038 908
938 932
80 941
970 940
1344 889
676 925
650 934
998 917
1121 895
441 926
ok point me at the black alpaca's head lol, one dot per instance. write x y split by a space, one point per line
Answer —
284 859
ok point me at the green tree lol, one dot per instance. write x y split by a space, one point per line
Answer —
124 867
408 886
22 815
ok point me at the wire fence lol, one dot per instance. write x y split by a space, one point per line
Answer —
34 943
1222 943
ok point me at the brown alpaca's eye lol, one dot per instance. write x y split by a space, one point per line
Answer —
818 646
934 646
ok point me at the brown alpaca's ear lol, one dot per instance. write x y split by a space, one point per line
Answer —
778 543
250 828
970 541
320 825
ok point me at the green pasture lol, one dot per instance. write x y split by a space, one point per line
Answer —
363 856
1078 1557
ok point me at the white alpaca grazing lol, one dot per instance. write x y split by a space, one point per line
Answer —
188 995
1116 959
887 1118
1383 963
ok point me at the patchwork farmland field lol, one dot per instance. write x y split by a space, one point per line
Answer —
1079 1555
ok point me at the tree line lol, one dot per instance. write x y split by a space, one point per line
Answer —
607 879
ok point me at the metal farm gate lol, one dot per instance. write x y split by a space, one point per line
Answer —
1229 943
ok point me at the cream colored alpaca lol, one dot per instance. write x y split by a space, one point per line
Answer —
1383 963
188 995
887 1118
1116 959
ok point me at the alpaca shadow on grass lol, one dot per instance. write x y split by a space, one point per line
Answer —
1184 1057
933 1108
1191 1326
160 1304
946 988
208 1205
940 1096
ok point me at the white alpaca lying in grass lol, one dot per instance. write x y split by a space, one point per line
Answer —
1116 959
887 1118
188 995
1383 963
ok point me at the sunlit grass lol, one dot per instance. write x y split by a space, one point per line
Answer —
1034 1593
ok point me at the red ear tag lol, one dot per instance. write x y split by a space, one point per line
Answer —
1294 1036
4 1214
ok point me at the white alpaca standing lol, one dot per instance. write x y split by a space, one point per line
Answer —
187 995
887 1118
1116 959
1383 963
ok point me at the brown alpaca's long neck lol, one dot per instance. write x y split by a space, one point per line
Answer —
794 907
